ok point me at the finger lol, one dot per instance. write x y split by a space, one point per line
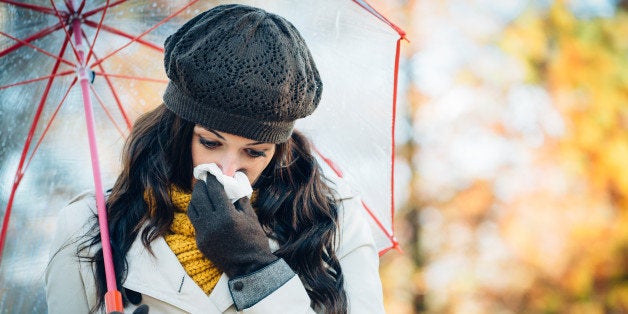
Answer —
142 309
244 205
193 213
200 202
216 194
211 194
215 188
199 192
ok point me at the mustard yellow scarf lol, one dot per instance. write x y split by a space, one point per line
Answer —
183 243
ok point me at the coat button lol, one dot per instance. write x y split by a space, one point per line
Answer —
238 285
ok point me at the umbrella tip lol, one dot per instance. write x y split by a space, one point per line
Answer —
113 301
396 245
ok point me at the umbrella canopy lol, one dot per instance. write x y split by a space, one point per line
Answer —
57 56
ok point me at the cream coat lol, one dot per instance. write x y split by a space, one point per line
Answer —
166 288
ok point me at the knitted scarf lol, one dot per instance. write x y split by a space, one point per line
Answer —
183 243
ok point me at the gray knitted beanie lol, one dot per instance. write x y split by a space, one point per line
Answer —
243 71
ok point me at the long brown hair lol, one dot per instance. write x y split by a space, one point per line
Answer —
294 205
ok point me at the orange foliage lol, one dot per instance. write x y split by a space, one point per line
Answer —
563 240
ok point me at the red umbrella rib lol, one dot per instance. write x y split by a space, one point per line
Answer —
44 32
104 7
37 48
107 112
123 34
52 118
38 79
20 170
147 31
37 8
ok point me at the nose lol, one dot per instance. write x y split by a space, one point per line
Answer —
229 164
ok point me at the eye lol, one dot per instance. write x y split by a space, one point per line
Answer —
209 144
255 153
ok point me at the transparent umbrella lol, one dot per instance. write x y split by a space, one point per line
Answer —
64 62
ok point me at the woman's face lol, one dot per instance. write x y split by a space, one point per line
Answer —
231 152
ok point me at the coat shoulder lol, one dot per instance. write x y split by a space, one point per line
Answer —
353 228
78 218
69 276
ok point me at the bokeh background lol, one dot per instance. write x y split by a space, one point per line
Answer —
513 158
512 162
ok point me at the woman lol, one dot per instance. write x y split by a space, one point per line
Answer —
239 78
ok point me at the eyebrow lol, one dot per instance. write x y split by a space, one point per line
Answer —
222 138
216 133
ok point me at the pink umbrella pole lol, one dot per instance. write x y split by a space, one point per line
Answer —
113 298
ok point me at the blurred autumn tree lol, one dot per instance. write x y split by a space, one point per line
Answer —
547 230
584 65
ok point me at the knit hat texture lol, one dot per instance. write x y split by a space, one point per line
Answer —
241 70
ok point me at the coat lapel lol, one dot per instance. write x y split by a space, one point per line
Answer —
162 277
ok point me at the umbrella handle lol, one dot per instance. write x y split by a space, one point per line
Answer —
113 301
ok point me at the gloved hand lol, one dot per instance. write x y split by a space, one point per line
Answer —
228 234
142 309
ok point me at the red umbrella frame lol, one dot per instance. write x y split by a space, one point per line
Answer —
73 17
71 43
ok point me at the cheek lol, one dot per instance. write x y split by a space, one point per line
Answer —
262 166
254 171
258 169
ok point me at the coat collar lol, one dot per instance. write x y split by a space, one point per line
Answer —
162 276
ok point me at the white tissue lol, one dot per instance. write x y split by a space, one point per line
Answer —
236 187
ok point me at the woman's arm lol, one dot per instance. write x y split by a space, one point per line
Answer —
359 261
291 297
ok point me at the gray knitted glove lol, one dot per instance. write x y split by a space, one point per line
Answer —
229 235
142 309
